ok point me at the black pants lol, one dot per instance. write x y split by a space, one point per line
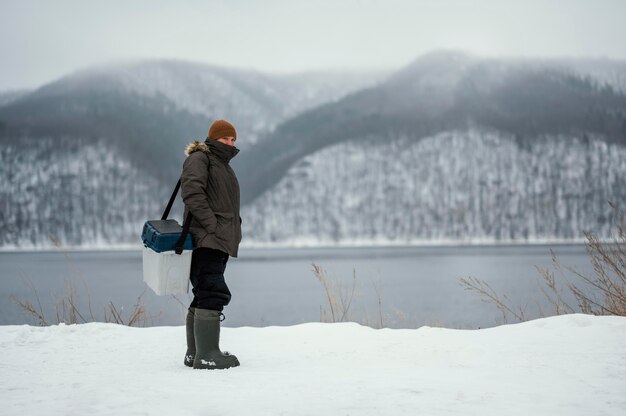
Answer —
207 278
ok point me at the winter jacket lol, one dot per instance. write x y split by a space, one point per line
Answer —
211 191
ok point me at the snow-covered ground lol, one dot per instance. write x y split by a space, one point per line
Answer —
566 365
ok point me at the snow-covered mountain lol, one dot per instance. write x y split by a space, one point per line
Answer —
72 192
461 186
149 110
87 158
7 97
254 101
445 91
451 147
605 72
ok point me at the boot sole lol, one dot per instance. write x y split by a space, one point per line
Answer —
212 365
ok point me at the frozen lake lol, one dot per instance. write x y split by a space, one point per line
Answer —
417 285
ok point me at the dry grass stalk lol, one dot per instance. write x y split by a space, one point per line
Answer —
489 295
330 296
138 316
551 291
380 305
608 280
68 311
28 307
31 310
339 299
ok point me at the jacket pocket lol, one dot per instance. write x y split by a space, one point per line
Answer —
197 235
224 228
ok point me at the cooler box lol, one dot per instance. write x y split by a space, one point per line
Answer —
167 273
164 271
162 235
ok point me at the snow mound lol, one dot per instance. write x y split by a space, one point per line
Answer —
573 365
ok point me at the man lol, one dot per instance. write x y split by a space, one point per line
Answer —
210 190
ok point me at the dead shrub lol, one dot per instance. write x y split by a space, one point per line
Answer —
603 293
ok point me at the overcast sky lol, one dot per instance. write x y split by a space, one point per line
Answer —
43 40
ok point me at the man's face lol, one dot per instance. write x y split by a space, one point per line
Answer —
227 140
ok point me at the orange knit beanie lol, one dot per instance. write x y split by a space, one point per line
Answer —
222 128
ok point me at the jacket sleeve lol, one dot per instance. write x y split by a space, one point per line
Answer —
194 182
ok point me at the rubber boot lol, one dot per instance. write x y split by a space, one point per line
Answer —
191 342
206 328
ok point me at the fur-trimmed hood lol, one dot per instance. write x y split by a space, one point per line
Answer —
220 150
196 146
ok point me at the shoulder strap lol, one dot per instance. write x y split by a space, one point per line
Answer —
172 199
183 236
176 188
